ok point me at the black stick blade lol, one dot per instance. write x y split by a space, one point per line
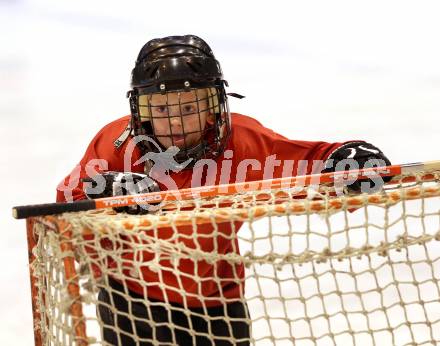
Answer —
22 212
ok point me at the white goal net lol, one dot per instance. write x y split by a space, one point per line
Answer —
319 269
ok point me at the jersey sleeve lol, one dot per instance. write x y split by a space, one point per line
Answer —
101 155
277 155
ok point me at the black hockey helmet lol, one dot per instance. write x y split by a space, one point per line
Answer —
178 64
163 63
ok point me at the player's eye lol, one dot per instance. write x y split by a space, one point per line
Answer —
162 109
189 109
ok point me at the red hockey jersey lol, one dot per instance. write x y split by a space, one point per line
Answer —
253 153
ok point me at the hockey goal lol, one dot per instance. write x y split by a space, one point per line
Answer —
321 268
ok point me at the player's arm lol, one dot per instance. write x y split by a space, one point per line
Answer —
100 156
309 157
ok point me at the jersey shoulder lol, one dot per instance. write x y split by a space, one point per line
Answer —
109 134
240 121
115 127
247 128
249 137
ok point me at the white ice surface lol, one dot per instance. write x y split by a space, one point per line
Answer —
315 70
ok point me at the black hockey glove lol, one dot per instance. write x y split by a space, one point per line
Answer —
358 155
112 183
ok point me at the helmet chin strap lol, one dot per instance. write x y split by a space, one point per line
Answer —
195 152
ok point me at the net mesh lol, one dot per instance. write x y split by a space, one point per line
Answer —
307 267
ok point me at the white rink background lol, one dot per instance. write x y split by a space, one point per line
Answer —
321 70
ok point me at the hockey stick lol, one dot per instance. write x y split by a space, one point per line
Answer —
21 212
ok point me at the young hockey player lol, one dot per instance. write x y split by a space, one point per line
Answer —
180 134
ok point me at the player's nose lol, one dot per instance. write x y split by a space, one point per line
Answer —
176 120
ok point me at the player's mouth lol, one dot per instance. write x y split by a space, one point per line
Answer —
178 139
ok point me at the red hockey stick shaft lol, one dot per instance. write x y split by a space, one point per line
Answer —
21 212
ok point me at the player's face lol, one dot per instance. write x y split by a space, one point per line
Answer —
180 118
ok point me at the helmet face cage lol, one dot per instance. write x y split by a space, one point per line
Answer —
196 120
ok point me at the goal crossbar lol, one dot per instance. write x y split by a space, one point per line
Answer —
298 182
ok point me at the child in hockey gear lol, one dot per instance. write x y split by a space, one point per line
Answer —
181 134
